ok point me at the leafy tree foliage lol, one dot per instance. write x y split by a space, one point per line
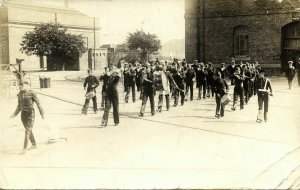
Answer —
145 43
52 40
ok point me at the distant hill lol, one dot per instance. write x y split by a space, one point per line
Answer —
174 48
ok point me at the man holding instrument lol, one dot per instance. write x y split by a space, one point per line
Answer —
263 86
220 88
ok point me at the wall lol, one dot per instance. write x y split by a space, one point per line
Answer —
21 18
218 21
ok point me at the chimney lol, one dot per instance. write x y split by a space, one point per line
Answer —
67 3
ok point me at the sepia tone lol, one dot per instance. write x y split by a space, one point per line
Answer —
96 129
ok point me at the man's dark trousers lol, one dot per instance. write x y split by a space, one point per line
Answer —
27 118
114 101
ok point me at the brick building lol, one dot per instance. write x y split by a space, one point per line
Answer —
19 17
266 31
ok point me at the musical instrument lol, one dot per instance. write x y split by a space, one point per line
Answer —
158 80
90 95
225 99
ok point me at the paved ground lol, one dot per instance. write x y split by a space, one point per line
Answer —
183 148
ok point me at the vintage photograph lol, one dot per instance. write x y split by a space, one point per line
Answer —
149 94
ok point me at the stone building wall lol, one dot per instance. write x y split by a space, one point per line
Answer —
20 18
215 33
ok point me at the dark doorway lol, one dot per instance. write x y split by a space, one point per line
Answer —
290 44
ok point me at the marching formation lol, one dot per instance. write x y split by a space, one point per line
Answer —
166 82
175 81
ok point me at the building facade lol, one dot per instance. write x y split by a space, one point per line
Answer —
243 30
17 18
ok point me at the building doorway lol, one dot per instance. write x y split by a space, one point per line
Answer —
290 44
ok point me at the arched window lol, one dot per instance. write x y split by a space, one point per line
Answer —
241 41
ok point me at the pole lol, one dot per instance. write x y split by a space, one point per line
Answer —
94 44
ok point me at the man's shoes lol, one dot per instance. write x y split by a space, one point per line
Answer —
217 116
84 112
102 108
141 114
233 108
198 98
96 112
116 124
104 124
33 147
185 100
152 114
174 105
241 108
23 151
258 120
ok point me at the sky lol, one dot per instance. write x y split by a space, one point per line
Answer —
165 18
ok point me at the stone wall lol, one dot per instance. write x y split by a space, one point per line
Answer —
217 20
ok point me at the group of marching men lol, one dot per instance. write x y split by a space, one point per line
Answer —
167 80
176 80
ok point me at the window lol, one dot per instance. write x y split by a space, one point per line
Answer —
97 54
104 54
241 41
100 54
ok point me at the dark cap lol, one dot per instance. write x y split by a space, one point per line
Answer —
23 82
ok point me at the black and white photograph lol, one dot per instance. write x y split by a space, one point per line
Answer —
150 94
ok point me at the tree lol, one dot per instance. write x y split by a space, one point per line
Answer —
145 43
54 41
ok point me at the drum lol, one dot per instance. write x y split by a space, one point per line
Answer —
158 81
90 95
225 99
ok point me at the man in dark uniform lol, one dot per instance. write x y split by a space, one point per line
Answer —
230 70
201 77
111 97
221 88
189 79
148 91
179 80
104 78
195 65
210 80
247 82
139 75
26 100
130 75
263 86
91 82
290 73
238 88
223 70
